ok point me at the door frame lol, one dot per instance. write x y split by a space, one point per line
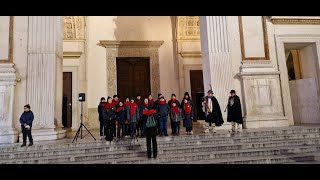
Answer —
75 103
284 79
187 81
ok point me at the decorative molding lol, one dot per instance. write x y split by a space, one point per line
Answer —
130 44
258 73
291 20
132 49
265 41
70 54
191 54
188 28
74 27
10 56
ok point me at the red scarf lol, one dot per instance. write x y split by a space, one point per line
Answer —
172 101
116 102
133 107
126 103
120 108
109 105
162 102
138 101
102 104
175 110
187 108
146 105
148 112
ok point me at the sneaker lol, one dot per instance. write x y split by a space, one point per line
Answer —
30 144
101 137
166 135
23 145
191 133
206 131
214 131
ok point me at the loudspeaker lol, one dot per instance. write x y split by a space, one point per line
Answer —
82 97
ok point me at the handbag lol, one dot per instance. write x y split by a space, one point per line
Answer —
151 122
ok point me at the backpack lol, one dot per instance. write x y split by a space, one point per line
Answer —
151 122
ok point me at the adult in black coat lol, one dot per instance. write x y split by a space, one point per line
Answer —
234 111
110 119
212 111
26 120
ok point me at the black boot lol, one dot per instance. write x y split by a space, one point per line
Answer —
31 143
24 144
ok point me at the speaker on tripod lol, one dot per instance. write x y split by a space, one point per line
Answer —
82 98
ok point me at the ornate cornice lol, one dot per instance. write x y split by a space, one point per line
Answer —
130 44
74 27
307 20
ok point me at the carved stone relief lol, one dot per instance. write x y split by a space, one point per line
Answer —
188 28
74 27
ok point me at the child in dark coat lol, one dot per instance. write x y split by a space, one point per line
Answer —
187 116
175 116
121 119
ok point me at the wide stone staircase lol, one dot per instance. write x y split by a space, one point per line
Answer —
263 146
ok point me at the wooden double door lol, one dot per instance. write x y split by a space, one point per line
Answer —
133 77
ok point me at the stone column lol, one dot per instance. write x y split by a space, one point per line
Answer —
8 134
44 75
216 58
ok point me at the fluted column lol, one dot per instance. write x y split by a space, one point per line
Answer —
216 57
44 72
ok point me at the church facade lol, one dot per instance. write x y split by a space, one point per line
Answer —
272 62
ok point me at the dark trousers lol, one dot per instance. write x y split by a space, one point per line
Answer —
173 130
163 125
26 132
108 130
158 123
133 129
121 128
127 129
176 127
140 128
115 129
189 129
154 146
101 127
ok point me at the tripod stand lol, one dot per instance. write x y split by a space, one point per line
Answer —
133 137
80 128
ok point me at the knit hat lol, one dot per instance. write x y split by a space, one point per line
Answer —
27 106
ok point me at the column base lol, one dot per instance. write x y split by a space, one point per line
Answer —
8 136
46 134
265 121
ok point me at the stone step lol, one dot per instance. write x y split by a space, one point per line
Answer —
162 142
167 148
283 159
129 157
261 155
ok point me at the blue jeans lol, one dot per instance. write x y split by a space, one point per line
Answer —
163 124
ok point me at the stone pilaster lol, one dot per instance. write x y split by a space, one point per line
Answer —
8 134
216 57
44 75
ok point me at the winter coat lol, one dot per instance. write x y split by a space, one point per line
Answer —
163 109
102 111
121 116
234 111
27 118
176 117
187 118
135 117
